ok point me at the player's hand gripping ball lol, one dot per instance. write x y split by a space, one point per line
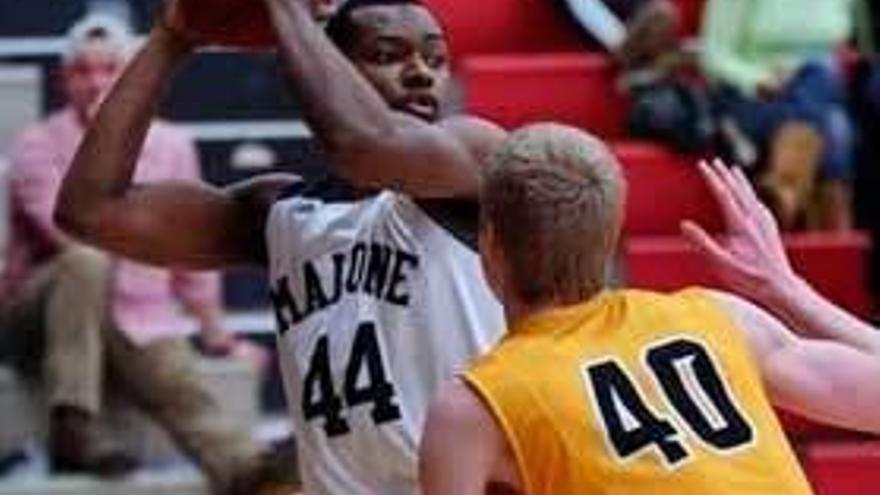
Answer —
230 23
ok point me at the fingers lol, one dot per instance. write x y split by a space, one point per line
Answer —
730 183
745 190
706 245
754 206
721 191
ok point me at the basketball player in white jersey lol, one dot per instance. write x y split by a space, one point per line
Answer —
379 298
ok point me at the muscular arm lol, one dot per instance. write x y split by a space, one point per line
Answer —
463 450
821 380
801 307
368 142
172 223
753 263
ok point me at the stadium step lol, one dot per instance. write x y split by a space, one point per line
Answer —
504 26
691 16
843 468
669 263
163 482
663 188
575 89
234 384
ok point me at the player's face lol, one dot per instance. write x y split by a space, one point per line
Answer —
402 51
90 74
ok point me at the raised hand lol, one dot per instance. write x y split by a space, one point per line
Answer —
231 23
750 258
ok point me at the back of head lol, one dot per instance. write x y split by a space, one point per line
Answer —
108 28
341 28
553 197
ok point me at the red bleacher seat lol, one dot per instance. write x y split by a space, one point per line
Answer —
507 26
801 430
514 90
691 16
664 189
843 468
835 264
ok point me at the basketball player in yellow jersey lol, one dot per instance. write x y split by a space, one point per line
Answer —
597 391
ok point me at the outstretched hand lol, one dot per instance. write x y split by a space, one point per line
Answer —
750 258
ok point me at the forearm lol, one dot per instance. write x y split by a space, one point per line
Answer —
342 108
104 165
826 382
808 312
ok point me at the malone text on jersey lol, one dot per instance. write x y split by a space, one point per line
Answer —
370 268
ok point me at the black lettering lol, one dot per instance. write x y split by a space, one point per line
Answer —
356 264
315 297
403 262
612 388
319 399
282 301
692 357
366 355
377 269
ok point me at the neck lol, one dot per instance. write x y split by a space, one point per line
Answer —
516 310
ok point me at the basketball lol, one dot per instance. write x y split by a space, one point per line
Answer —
230 23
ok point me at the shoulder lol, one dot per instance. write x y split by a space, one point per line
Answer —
265 190
479 135
458 412
762 331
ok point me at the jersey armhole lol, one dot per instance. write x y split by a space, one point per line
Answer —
497 411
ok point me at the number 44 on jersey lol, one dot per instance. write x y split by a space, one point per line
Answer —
320 399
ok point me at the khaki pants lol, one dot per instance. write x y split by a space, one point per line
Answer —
64 312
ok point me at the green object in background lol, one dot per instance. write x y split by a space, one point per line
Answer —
747 42
866 29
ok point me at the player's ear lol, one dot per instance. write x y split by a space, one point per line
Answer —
492 257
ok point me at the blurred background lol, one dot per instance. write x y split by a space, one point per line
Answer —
788 89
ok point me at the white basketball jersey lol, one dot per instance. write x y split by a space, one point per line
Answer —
377 306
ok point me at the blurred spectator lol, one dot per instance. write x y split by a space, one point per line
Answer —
667 104
86 320
774 62
636 32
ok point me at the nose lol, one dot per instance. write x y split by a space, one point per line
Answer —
418 74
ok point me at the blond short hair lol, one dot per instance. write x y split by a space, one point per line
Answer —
553 196
108 27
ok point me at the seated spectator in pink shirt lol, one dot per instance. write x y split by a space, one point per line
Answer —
86 320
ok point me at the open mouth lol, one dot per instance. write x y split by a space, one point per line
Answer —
423 106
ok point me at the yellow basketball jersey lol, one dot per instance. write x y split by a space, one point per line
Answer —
636 393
